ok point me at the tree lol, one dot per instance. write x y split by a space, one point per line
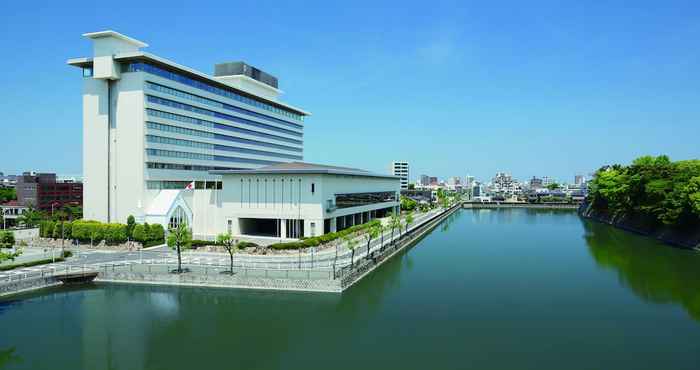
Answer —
371 233
180 238
553 186
351 244
7 239
229 244
409 220
381 228
130 224
31 217
7 194
395 222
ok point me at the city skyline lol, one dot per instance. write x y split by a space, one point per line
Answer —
534 96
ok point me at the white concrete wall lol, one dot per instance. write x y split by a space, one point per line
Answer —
95 142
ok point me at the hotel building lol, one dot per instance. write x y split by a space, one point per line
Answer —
153 128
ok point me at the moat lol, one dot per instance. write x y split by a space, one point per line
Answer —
487 289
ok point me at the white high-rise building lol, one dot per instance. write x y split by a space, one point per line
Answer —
400 169
150 124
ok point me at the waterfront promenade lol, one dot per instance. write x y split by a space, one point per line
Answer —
326 270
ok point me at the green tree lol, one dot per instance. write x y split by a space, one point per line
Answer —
31 217
371 233
394 222
7 194
7 239
409 220
231 245
180 238
351 244
9 256
130 224
553 186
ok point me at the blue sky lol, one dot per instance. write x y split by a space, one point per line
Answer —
533 88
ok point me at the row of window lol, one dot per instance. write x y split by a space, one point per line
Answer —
206 112
185 167
200 145
204 157
138 67
201 122
164 184
217 104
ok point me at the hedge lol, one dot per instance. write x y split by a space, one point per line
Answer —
93 231
203 243
66 254
323 239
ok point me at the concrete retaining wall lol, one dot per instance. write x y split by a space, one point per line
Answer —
220 281
25 285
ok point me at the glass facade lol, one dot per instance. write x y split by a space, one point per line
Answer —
204 157
214 103
201 122
206 112
363 199
148 68
200 145
185 167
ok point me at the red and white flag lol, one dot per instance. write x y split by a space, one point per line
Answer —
190 186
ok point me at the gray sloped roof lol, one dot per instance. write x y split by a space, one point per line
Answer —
304 168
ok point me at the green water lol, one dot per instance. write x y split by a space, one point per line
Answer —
487 289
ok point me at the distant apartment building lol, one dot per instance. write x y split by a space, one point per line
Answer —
579 180
469 181
424 180
400 169
44 192
535 183
433 181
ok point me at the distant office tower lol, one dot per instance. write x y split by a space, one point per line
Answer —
469 181
433 180
424 180
578 180
400 169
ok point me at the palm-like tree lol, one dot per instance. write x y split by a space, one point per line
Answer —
180 238
230 244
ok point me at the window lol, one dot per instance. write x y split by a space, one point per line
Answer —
211 113
144 67
313 188
214 103
87 72
177 218
361 199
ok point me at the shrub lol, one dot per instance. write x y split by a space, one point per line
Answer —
156 232
7 239
243 245
114 233
140 233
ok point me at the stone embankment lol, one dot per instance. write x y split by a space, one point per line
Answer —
684 237
477 205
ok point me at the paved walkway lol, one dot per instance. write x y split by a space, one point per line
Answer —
325 259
